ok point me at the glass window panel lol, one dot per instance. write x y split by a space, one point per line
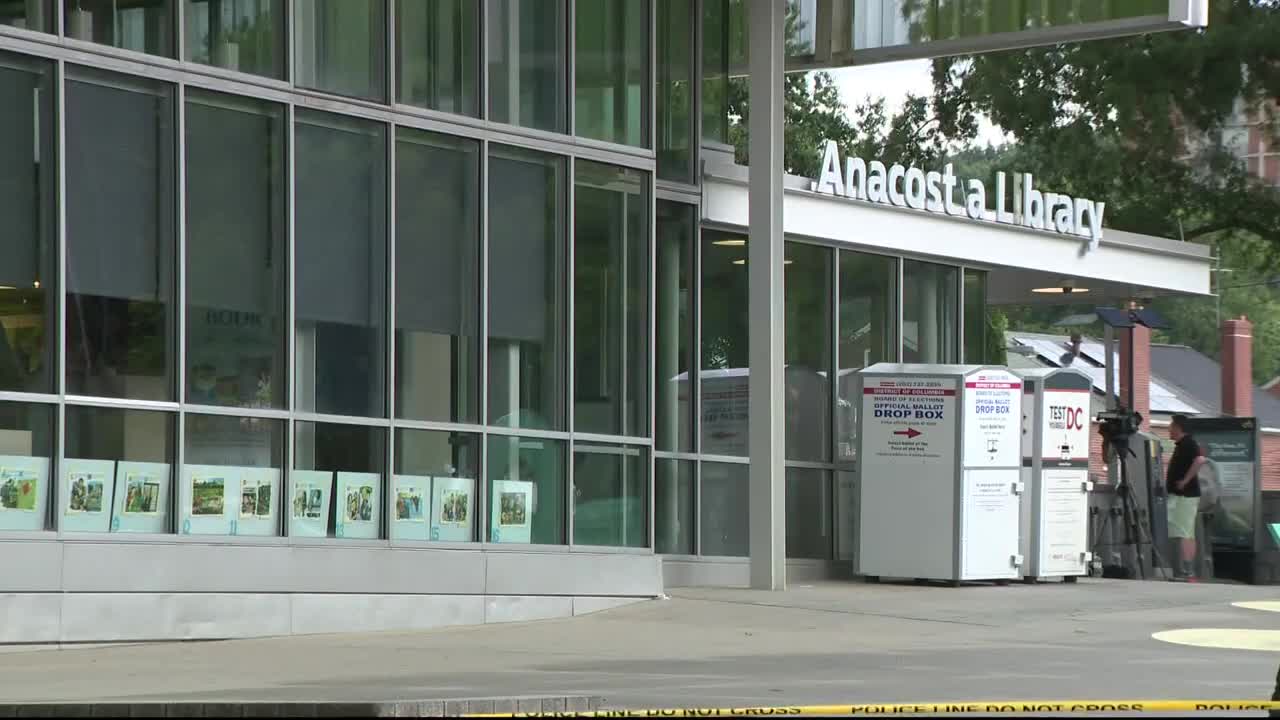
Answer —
28 225
673 89
341 478
673 506
715 70
340 46
236 261
724 521
725 334
27 14
243 35
26 465
611 495
677 227
930 321
527 84
527 279
437 277
934 21
611 300
808 351
434 493
612 63
140 25
231 463
868 333
809 515
341 271
526 490
438 54
108 453
120 236
975 317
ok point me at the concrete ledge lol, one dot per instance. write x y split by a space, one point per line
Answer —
412 708
57 618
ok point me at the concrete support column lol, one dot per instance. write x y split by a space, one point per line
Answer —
764 267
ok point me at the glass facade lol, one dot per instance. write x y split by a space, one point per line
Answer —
236 207
340 253
141 25
340 47
28 226
930 316
975 317
611 301
334 284
677 228
612 70
438 55
675 65
527 280
867 334
242 35
121 178
725 333
437 303
528 64
27 14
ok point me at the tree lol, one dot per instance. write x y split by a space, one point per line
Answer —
1140 121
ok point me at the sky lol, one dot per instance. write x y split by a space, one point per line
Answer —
894 81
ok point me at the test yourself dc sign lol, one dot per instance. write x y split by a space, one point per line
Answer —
1055 470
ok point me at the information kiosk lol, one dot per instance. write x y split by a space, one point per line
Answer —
938 473
1056 416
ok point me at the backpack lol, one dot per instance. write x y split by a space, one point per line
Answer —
1210 487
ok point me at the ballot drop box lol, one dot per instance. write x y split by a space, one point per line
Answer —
1055 472
938 473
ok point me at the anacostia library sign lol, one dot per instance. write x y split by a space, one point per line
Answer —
935 192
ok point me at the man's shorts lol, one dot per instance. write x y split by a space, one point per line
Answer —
1182 516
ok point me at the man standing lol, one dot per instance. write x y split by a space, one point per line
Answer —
1183 485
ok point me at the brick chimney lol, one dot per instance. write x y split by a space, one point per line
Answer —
1135 351
1237 367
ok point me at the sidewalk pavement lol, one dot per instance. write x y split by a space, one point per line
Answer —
825 643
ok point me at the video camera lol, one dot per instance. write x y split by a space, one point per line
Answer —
1117 426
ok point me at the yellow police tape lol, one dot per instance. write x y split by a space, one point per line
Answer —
962 708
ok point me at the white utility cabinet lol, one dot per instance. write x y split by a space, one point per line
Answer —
1056 416
938 472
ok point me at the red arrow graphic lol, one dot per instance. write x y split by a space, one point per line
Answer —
909 432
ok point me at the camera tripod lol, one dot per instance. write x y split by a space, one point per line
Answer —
1137 525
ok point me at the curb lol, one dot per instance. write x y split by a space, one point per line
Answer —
391 708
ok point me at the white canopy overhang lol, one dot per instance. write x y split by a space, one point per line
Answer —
1124 265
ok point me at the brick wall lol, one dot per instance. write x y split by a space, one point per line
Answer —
1135 349
1271 461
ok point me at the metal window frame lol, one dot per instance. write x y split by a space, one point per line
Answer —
179 75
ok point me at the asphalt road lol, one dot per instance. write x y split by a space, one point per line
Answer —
829 643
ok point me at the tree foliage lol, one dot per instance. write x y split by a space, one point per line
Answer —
1146 122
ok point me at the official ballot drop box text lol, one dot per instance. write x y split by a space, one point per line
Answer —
1055 472
938 472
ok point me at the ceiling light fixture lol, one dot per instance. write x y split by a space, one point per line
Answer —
732 242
